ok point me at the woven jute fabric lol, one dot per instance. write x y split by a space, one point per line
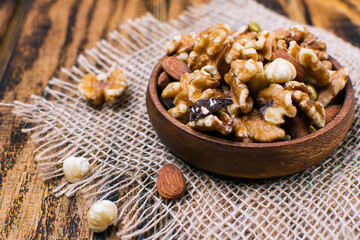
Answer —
322 202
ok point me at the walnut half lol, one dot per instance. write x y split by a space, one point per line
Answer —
97 88
301 94
260 130
338 82
276 103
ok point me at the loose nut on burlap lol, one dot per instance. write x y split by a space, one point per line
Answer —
103 87
170 182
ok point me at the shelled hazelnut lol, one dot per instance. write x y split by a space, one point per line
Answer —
101 215
75 168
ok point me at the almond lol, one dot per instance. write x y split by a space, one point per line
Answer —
297 127
174 67
300 70
331 112
163 80
170 182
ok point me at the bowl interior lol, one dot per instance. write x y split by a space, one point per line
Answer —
330 135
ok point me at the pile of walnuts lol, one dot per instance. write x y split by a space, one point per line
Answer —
250 85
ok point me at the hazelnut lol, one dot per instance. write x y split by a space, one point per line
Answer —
280 71
75 168
101 215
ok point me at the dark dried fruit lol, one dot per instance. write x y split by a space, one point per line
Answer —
204 107
167 102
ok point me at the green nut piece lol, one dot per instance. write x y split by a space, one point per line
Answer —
311 129
313 94
254 27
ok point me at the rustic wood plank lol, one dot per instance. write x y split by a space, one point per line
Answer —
54 34
51 39
175 7
294 9
31 202
7 8
276 5
341 17
12 32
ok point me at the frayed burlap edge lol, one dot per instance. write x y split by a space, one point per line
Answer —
126 154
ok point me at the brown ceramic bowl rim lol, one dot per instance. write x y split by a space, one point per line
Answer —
349 93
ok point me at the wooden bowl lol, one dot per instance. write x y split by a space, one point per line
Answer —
248 160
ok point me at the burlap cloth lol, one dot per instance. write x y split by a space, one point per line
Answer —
321 203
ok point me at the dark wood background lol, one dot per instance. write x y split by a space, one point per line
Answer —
39 37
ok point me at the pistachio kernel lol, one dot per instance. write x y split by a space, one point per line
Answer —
311 129
254 27
313 91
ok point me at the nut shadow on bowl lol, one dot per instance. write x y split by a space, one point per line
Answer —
248 160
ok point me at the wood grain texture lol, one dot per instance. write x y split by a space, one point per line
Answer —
7 8
342 17
12 33
53 35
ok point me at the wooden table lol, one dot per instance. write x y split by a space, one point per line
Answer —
38 38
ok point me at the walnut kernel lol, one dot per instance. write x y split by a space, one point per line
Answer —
260 130
276 103
287 71
338 82
301 94
97 88
209 46
318 74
